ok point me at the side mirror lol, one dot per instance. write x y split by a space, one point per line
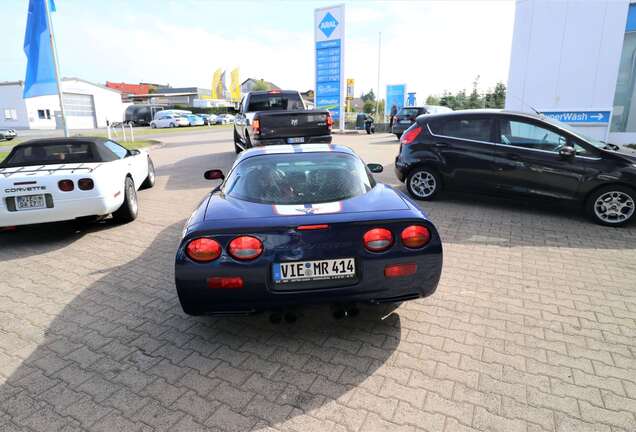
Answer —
133 152
375 168
214 174
567 152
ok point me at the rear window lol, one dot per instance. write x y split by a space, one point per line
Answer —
477 129
410 112
275 101
50 154
298 178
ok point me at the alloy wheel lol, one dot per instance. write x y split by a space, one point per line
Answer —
423 184
614 207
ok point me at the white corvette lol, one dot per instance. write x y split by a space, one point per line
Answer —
58 179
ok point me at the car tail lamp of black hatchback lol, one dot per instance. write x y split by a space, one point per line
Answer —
411 134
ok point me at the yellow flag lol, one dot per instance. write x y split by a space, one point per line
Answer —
235 85
216 79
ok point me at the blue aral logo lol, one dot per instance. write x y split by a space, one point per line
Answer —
328 24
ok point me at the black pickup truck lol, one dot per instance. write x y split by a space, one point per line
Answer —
279 117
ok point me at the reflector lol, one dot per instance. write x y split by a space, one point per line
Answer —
399 270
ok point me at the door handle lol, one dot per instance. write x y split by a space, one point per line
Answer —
440 145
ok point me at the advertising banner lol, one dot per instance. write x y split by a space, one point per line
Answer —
216 80
395 94
235 85
329 25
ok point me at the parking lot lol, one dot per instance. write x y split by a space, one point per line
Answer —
533 326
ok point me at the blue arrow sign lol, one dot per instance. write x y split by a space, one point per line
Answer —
579 116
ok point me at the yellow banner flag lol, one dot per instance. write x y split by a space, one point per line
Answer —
216 79
235 85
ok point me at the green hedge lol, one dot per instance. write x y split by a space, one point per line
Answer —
215 110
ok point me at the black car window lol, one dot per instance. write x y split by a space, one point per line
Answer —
50 154
274 101
477 129
529 135
298 178
410 112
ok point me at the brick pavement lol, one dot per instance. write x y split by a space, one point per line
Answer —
532 328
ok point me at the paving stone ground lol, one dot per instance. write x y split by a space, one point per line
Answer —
532 328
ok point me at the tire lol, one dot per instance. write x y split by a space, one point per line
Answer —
171 125
150 180
398 135
613 205
237 143
248 141
153 126
130 207
423 183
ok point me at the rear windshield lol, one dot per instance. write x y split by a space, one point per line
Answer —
50 154
298 178
275 101
410 112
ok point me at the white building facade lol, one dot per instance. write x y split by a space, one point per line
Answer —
87 106
575 60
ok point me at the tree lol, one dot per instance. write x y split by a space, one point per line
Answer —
474 100
368 106
261 85
432 100
368 96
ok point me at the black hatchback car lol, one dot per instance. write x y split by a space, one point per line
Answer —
518 154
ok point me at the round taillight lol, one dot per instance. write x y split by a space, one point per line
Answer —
378 239
203 250
85 184
66 185
415 236
245 248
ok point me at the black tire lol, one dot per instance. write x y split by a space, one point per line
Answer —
153 126
248 141
150 180
130 207
612 205
171 125
423 183
237 143
398 135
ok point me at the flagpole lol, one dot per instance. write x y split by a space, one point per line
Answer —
56 66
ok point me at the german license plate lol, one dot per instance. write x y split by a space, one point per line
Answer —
30 202
298 140
305 271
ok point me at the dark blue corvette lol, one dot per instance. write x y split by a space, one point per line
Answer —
298 225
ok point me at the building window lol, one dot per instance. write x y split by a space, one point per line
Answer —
10 114
44 114
624 113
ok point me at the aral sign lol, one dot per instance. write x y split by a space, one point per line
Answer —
329 41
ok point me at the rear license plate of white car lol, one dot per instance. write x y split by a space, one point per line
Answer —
30 202
298 140
306 271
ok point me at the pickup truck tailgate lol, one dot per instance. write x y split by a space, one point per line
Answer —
286 124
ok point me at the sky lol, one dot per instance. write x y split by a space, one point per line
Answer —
431 46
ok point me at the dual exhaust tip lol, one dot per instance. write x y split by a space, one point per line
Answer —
338 312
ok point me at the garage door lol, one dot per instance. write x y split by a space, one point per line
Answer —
80 111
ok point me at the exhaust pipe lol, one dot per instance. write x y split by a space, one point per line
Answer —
346 311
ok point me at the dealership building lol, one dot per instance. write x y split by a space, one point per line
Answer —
87 105
576 61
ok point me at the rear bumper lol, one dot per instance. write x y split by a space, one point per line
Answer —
399 128
401 169
320 139
63 210
258 293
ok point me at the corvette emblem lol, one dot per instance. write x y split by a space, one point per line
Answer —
306 210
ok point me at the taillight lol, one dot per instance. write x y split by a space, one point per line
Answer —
203 250
256 126
85 184
226 282
400 270
245 248
415 236
409 136
66 185
329 120
378 239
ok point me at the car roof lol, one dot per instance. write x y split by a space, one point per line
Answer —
292 149
476 112
53 141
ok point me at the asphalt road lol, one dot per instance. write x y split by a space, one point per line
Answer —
533 327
